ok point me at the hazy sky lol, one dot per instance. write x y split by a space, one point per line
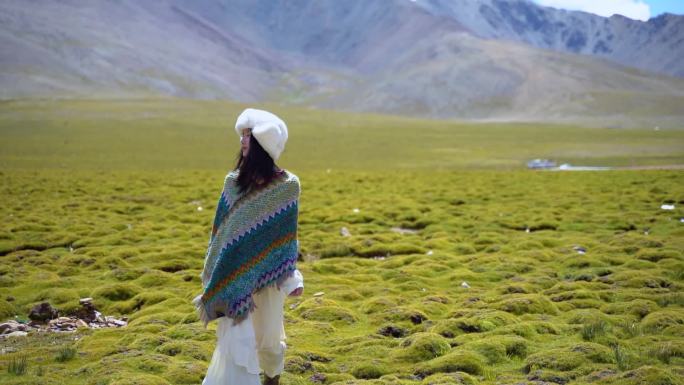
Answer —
635 9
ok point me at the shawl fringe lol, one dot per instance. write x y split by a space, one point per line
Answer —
204 316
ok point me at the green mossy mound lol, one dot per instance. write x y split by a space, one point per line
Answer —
391 380
378 304
183 348
448 328
370 347
173 266
555 359
650 375
576 295
166 318
324 310
434 310
569 358
423 347
493 351
388 249
152 363
115 292
334 249
523 329
141 301
143 341
153 278
584 316
662 319
339 378
464 249
594 352
498 348
329 314
638 277
298 365
346 295
656 255
107 262
139 379
516 289
545 376
666 351
457 361
7 310
638 307
191 331
370 370
456 378
527 304
125 274
59 296
482 321
189 373
400 314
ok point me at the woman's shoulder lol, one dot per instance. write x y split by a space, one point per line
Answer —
284 176
289 174
230 184
231 176
290 177
290 181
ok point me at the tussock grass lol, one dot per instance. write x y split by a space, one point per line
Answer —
65 353
17 365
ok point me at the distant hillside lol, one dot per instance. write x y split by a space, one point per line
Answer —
125 48
655 45
478 59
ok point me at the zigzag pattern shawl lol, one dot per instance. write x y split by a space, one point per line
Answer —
253 244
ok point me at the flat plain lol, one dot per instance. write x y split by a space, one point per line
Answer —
430 254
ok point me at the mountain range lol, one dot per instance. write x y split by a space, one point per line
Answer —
495 60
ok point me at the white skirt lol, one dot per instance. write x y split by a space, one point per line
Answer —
257 343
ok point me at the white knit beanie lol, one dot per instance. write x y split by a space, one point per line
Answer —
269 130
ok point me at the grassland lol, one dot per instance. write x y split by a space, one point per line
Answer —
103 199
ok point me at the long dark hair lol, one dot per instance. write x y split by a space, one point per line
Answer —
256 165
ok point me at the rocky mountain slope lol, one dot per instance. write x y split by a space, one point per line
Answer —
477 59
655 45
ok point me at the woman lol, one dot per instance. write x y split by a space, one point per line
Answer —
250 265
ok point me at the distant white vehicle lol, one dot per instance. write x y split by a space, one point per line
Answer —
569 167
550 165
541 163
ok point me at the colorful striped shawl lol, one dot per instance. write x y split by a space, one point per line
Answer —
253 244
